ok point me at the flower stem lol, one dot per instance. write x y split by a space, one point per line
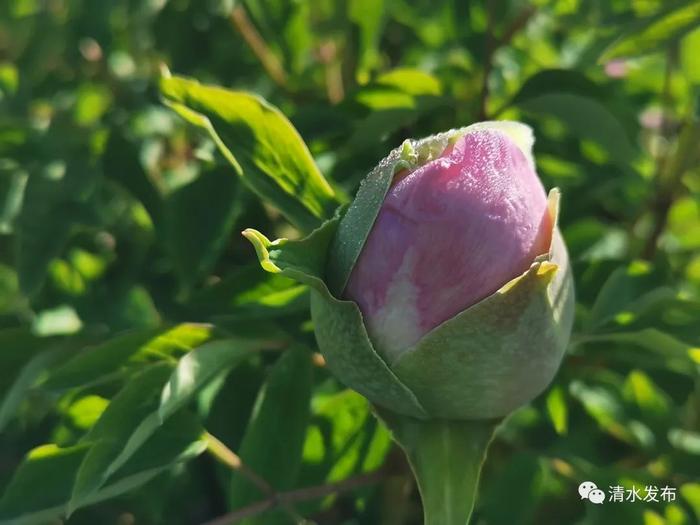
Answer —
446 458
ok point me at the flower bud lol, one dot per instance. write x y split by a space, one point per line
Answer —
449 233
444 290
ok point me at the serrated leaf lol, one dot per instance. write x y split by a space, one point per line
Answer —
262 146
273 441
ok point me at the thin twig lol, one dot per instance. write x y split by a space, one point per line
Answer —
328 56
258 46
297 496
232 460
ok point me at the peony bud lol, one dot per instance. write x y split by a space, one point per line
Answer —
449 233
444 291
443 294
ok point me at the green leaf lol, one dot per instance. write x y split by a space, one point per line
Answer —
94 363
12 185
641 390
581 105
673 353
18 346
247 293
121 163
31 374
192 373
557 80
274 439
343 438
604 405
10 296
41 485
261 144
690 58
587 118
199 367
179 439
58 191
557 410
411 81
368 15
691 493
136 401
651 34
628 291
395 99
199 218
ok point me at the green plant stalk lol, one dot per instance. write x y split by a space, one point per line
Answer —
446 458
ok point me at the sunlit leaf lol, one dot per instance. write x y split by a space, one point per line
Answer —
557 410
94 363
261 144
198 367
652 33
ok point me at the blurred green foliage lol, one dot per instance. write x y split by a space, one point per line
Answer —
137 331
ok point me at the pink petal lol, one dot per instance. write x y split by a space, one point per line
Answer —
449 234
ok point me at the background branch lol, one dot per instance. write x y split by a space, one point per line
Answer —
257 44
298 495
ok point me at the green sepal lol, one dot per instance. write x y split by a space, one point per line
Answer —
501 352
340 330
446 458
490 359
